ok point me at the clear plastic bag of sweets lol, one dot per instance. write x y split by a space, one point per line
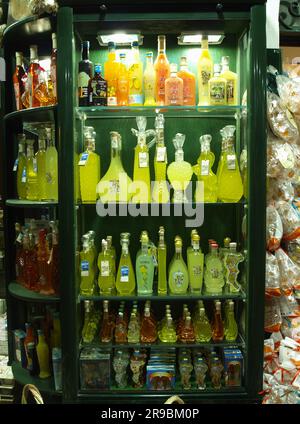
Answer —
290 219
274 228
288 271
280 159
289 92
273 318
280 190
272 287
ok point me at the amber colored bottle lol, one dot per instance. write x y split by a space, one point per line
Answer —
53 264
33 77
148 328
162 70
121 328
187 334
19 254
189 83
28 339
217 324
107 326
18 81
42 258
31 267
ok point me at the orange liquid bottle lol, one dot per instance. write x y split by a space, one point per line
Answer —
42 258
33 77
162 70
217 325
111 70
148 328
123 82
18 80
189 83
173 88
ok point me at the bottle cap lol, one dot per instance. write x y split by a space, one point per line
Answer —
111 45
33 52
225 60
98 68
135 44
149 54
227 241
232 245
85 44
183 61
196 237
122 55
173 67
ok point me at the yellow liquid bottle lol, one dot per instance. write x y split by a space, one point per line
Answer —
31 169
112 251
232 82
204 172
179 172
21 167
231 329
160 192
111 71
195 260
149 81
114 186
123 82
162 285
41 166
217 87
106 278
205 72
42 351
89 168
178 272
135 72
125 281
87 273
141 170
51 168
230 186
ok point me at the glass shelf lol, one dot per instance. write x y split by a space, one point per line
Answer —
23 377
29 203
238 343
98 112
31 115
166 297
20 292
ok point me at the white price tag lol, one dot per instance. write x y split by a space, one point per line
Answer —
161 154
143 159
124 274
231 162
34 163
204 167
16 165
286 156
85 268
24 176
114 187
83 159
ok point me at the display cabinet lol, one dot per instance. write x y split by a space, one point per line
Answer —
243 28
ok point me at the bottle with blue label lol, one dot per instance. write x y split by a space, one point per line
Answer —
144 267
89 168
178 271
87 272
125 281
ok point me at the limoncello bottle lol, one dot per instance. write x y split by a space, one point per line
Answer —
106 278
41 166
195 260
89 168
232 82
244 171
42 351
202 327
160 192
21 167
125 281
112 251
144 267
86 268
223 250
217 88
114 186
179 172
231 260
149 81
91 234
205 72
31 170
213 274
51 168
204 172
141 170
231 330
135 77
230 186
168 332
162 285
178 272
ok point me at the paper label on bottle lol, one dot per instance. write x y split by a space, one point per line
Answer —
16 165
230 91
214 272
160 154
104 268
124 274
112 101
178 279
114 187
85 266
231 162
83 85
205 75
98 94
217 92
205 167
135 99
197 270
143 159
24 176
286 156
19 238
83 159
35 167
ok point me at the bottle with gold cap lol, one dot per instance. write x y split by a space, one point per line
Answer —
223 250
195 260
106 277
162 260
144 267
178 272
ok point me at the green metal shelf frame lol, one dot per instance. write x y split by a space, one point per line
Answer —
21 293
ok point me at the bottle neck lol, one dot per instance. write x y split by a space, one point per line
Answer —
135 54
30 152
42 144
54 42
125 248
21 149
204 45
149 62
195 246
90 145
178 252
33 55
225 68
205 148
161 242
19 61
85 53
173 74
145 248
179 155
227 145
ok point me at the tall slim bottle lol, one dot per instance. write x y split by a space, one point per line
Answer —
195 260
33 77
111 71
89 168
42 350
231 330
18 80
205 72
160 192
149 81
204 172
21 167
178 272
31 170
144 267
232 81
51 167
125 281
135 72
41 166
162 262
217 324
189 83
29 338
162 69
85 67
87 267
123 82
106 277
53 73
